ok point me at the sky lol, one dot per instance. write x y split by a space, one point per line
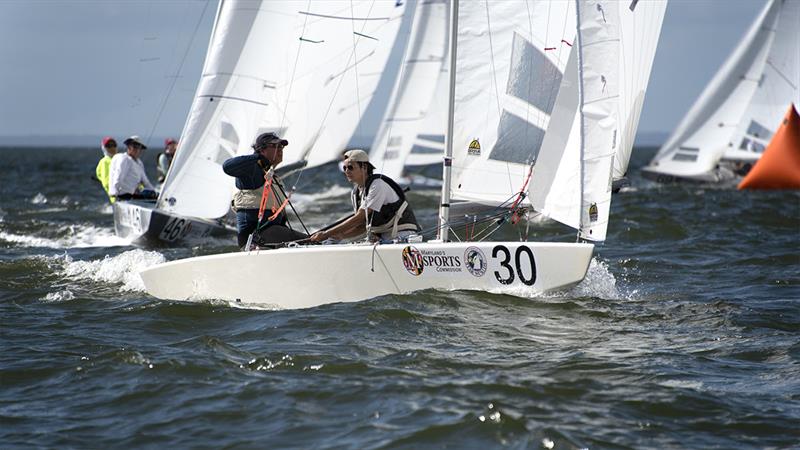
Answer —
85 68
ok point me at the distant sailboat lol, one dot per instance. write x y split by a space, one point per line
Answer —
731 123
252 79
494 135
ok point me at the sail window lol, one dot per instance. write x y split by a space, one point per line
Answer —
431 137
422 149
532 77
518 141
686 154
760 131
228 133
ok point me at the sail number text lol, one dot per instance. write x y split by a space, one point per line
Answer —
521 255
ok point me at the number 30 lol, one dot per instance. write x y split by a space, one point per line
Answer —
517 261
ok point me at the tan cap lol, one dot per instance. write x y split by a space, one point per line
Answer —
357 155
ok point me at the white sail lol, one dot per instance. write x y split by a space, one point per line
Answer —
504 100
589 141
414 93
699 141
639 29
777 87
599 47
289 67
350 77
428 147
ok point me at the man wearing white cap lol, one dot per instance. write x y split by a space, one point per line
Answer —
127 178
379 205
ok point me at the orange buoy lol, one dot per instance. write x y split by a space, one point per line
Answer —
779 166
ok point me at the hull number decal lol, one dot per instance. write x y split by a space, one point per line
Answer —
175 228
506 276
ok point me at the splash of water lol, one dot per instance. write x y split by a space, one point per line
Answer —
73 236
123 268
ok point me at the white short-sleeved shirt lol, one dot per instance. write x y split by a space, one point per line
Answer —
125 174
380 193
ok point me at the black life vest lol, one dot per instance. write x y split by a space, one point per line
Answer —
392 217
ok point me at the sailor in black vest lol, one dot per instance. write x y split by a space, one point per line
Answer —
249 171
379 205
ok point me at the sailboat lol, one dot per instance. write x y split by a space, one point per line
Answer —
302 71
542 104
733 120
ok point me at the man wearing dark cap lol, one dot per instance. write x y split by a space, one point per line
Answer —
249 171
127 178
379 205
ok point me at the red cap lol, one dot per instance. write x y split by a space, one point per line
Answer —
168 141
105 140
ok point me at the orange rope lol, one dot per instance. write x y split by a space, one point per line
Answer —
515 217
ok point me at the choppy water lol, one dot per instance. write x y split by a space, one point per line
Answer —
685 334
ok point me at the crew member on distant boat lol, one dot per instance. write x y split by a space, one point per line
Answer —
127 178
109 148
386 213
250 171
164 159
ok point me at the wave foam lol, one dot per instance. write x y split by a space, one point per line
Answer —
123 268
74 236
599 282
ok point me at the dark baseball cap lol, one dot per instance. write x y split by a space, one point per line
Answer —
269 138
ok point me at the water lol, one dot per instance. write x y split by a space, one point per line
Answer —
685 334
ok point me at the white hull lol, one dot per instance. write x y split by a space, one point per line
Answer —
310 276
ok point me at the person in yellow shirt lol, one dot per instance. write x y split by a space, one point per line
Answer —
109 147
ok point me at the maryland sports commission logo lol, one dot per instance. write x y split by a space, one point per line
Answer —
475 261
412 259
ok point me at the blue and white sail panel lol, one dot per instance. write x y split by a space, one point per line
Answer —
504 101
598 65
414 93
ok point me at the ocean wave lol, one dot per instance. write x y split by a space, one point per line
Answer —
123 268
69 236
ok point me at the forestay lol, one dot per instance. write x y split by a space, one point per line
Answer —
300 69
415 93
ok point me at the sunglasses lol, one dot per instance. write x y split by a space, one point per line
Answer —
111 145
279 146
348 167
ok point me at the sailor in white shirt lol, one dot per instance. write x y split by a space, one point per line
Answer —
127 173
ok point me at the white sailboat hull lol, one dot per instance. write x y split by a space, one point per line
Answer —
310 276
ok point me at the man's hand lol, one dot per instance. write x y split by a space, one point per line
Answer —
319 236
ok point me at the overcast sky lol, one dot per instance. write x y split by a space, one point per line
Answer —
82 67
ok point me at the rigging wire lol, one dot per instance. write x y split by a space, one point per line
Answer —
180 67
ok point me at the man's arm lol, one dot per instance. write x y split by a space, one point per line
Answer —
242 166
353 226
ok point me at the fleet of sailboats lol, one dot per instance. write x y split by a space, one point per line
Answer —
540 105
306 74
734 119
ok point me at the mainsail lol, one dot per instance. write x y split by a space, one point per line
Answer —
402 130
303 70
735 116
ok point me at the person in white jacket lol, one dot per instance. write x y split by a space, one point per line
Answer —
127 178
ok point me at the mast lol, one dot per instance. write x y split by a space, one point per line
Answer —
447 164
